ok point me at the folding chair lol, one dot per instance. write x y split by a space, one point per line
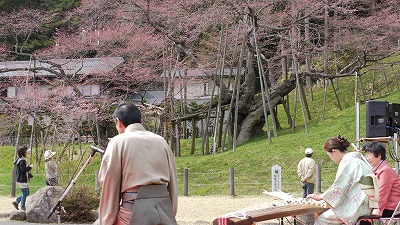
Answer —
370 185
387 221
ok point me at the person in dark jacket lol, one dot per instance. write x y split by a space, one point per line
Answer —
23 177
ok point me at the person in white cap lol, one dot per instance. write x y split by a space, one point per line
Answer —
306 172
51 169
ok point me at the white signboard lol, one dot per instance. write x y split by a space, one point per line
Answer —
276 178
30 120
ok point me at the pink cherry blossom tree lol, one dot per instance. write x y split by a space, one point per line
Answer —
158 36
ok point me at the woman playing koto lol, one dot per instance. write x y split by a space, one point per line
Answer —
346 199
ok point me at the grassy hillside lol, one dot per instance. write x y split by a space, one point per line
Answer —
252 162
209 175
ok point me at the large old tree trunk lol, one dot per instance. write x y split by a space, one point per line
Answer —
251 118
253 115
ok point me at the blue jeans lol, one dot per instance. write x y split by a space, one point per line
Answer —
22 198
308 188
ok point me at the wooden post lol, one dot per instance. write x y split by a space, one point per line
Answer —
97 183
263 93
14 171
172 138
232 180
193 136
318 180
395 77
285 105
202 134
177 139
386 82
362 88
304 97
298 86
336 95
97 132
210 103
185 182
236 93
219 112
220 128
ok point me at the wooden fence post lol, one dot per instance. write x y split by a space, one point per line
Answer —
185 182
232 180
318 180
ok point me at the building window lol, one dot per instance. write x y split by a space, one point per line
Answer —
89 90
14 92
11 93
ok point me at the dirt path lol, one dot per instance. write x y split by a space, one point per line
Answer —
191 210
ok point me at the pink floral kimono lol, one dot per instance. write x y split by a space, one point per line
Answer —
345 196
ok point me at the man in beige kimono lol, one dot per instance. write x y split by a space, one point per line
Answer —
137 174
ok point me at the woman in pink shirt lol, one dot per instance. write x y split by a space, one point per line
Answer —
389 182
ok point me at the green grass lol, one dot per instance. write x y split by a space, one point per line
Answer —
209 174
252 162
69 169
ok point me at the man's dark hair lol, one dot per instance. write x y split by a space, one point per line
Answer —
128 113
376 149
22 152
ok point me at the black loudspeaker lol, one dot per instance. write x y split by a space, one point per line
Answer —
394 118
377 117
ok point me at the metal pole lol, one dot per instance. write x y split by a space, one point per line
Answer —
358 123
396 151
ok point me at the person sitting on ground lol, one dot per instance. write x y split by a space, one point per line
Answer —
389 182
51 168
346 199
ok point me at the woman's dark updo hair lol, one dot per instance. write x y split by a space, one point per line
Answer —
22 152
338 142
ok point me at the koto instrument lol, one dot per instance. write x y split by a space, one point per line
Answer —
293 208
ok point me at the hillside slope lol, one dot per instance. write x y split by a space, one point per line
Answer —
252 162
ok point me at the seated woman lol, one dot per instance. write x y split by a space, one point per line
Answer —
389 182
345 197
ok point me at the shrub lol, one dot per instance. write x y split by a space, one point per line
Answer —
80 205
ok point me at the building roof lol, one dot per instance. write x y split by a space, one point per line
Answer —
83 66
151 97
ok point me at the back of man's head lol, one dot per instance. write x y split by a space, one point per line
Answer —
127 113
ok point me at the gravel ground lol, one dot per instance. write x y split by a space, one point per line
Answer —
191 210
